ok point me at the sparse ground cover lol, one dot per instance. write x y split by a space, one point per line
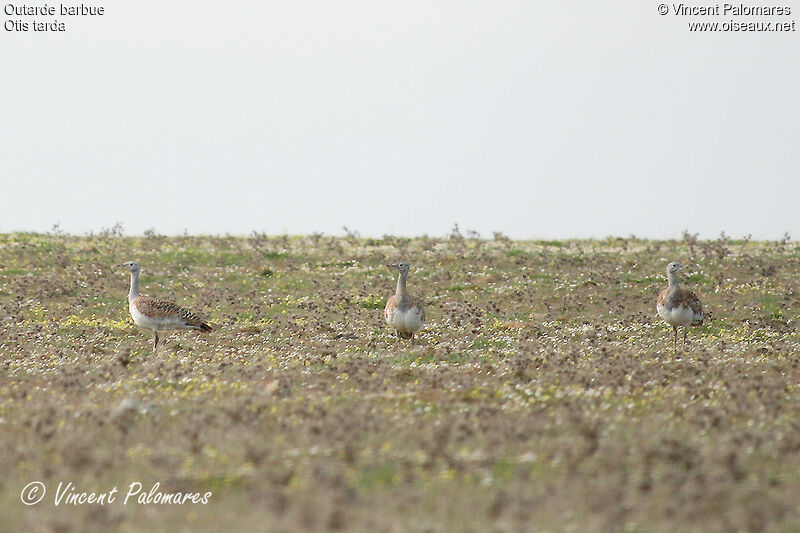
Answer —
543 395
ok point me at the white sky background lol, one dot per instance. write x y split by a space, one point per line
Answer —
537 119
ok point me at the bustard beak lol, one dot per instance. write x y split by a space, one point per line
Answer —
393 265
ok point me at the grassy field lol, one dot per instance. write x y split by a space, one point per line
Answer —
544 393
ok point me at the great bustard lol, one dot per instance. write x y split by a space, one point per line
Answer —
404 313
159 315
679 307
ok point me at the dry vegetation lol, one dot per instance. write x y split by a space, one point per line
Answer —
543 394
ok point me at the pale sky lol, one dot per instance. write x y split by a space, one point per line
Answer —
537 119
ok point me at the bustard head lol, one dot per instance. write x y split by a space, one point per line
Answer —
672 268
402 267
133 266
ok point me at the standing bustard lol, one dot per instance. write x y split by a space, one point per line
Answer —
679 307
159 315
404 313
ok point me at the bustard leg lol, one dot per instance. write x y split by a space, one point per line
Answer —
155 343
685 334
675 339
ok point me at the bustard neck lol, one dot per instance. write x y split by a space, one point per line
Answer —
672 278
134 292
401 293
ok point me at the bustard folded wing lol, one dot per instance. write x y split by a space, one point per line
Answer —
685 299
410 303
162 309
